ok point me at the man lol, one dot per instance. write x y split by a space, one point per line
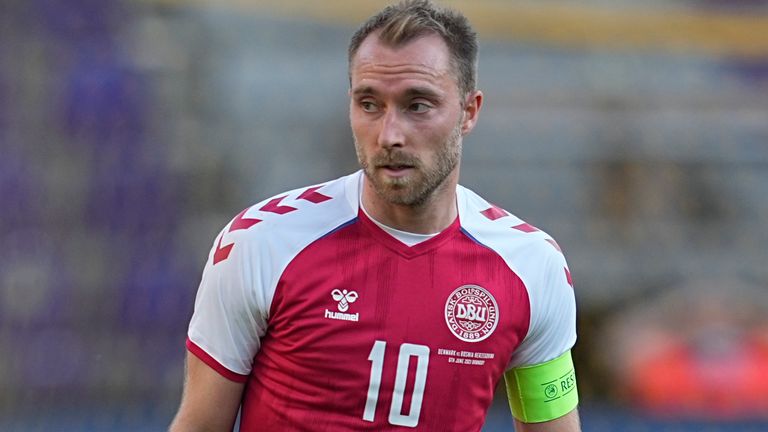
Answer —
392 298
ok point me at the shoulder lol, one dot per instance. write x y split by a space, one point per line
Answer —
536 258
508 235
290 219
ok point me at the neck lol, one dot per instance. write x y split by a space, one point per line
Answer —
434 215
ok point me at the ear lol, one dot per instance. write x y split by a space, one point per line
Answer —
471 111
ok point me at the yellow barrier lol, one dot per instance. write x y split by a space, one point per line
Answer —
558 24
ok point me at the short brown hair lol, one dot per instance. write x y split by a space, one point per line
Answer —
410 19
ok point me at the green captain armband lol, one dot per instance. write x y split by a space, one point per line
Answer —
544 391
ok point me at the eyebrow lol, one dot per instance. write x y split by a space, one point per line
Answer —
422 92
417 91
367 90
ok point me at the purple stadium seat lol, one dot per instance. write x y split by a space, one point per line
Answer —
158 288
20 192
73 21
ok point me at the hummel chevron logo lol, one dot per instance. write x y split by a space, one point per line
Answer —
273 206
494 212
312 195
526 228
239 223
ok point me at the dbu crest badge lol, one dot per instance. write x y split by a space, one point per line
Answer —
471 313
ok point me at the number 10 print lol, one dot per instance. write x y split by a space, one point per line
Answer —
421 352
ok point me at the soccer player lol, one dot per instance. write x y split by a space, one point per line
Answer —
391 298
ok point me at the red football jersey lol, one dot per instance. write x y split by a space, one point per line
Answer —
338 326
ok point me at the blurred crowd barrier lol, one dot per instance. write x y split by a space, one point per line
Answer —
132 131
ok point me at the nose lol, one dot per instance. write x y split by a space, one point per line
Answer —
391 133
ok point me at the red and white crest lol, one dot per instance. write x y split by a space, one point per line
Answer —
471 313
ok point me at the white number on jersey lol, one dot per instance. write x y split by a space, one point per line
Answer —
421 352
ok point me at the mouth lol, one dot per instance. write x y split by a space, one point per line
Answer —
396 170
396 166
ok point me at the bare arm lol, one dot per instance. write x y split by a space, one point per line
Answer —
566 423
210 401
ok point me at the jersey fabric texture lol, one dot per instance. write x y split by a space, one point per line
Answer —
337 326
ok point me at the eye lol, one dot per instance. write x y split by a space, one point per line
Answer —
368 106
419 107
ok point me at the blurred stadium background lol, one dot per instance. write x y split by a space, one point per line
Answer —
130 131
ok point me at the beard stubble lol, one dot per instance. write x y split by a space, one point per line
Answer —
417 188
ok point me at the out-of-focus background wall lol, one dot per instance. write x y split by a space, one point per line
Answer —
636 133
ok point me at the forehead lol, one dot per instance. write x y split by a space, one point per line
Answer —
424 58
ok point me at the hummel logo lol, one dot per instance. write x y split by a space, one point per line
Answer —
344 298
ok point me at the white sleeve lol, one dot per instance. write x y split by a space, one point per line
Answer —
552 329
231 309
